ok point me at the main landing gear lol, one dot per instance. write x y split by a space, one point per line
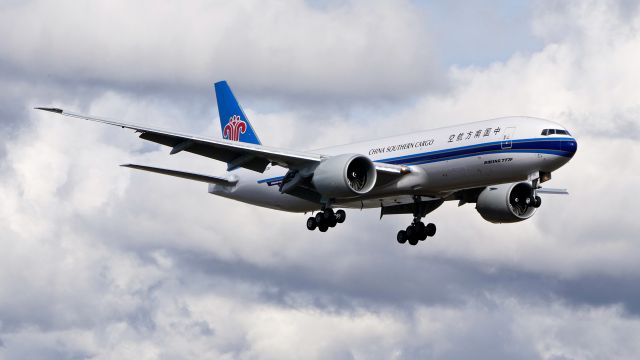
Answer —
326 219
416 232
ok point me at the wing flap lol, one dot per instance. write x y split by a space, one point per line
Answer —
423 208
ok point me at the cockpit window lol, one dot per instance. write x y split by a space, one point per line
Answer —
547 132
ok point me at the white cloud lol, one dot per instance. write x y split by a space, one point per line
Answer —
286 46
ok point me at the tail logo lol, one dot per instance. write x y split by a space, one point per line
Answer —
234 128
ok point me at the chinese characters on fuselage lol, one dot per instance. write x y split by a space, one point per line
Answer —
467 135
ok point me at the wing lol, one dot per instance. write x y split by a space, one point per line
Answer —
185 175
235 154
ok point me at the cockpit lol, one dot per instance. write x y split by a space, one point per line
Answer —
547 132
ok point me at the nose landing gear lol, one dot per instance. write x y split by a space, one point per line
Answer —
326 219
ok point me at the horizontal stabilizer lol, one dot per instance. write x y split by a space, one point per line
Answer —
184 175
552 191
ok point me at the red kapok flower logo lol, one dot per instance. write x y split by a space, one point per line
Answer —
234 128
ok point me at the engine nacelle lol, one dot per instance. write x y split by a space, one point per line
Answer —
507 203
344 176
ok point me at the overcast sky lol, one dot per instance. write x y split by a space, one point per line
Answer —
97 261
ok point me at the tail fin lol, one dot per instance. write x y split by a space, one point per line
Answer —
234 123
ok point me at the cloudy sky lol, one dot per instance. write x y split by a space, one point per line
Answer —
97 261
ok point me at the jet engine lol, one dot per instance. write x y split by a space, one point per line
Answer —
344 176
507 203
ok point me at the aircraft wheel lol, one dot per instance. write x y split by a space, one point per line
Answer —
323 227
319 218
311 223
402 237
329 214
332 221
411 232
430 229
341 216
537 202
421 230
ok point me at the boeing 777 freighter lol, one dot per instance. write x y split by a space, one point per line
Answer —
497 164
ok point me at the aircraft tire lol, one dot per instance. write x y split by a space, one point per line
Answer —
319 219
323 227
413 241
411 232
421 231
537 202
329 214
531 201
341 215
332 221
311 223
401 237
430 229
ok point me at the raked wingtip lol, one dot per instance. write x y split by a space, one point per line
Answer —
54 110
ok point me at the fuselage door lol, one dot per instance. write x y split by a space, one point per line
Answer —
507 138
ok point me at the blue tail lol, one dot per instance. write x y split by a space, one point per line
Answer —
234 123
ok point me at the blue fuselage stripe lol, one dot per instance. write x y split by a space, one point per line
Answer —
552 147
276 178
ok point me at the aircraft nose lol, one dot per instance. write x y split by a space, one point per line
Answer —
570 146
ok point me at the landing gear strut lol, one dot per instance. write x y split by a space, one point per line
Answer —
326 219
417 231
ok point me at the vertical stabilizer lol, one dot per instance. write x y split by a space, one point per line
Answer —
233 121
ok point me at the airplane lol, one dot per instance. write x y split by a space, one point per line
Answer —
496 164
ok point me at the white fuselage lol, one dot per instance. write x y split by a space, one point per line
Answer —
442 161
